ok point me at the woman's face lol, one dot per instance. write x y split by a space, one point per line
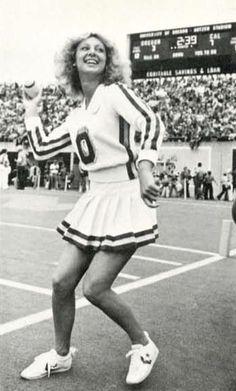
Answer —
91 56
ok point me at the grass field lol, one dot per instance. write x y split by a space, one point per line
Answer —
182 291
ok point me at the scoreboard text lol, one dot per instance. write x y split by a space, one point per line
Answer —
193 50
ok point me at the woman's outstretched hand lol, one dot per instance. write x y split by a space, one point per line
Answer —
32 104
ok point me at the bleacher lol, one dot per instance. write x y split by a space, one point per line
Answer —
193 108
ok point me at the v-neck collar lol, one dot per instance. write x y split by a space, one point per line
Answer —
92 106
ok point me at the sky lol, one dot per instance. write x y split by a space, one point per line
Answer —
32 30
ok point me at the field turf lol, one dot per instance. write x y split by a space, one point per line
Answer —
181 290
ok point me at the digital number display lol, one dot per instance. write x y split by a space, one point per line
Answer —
184 42
185 48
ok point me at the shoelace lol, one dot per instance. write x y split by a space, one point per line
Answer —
51 358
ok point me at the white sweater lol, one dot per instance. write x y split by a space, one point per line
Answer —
110 136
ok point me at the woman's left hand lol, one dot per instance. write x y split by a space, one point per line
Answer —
148 188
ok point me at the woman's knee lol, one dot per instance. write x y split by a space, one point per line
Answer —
93 290
62 287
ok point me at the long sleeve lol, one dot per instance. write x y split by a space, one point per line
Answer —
146 123
45 146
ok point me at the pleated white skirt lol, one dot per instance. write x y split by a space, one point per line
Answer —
112 217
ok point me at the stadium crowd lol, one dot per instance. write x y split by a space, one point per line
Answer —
55 108
193 108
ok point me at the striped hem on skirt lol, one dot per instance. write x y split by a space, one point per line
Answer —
110 217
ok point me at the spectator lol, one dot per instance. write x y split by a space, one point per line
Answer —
198 180
53 175
83 179
226 185
21 167
70 178
34 175
208 186
165 181
62 175
173 181
185 177
5 169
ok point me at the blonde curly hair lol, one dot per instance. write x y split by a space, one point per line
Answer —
67 74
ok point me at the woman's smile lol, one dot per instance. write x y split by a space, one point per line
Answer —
91 56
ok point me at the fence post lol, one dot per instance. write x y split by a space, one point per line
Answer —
225 238
38 181
185 188
66 182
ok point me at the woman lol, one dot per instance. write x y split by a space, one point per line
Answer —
116 137
5 169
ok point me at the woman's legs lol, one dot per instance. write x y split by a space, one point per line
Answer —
100 275
72 266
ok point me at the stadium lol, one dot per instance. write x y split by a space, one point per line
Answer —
182 286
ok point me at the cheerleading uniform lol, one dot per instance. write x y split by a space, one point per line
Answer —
110 136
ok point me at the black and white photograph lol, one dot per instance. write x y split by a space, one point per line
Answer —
118 195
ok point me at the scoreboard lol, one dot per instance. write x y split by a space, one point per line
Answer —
196 50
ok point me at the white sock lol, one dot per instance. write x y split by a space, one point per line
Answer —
63 358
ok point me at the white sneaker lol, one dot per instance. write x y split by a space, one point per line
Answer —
142 360
48 363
